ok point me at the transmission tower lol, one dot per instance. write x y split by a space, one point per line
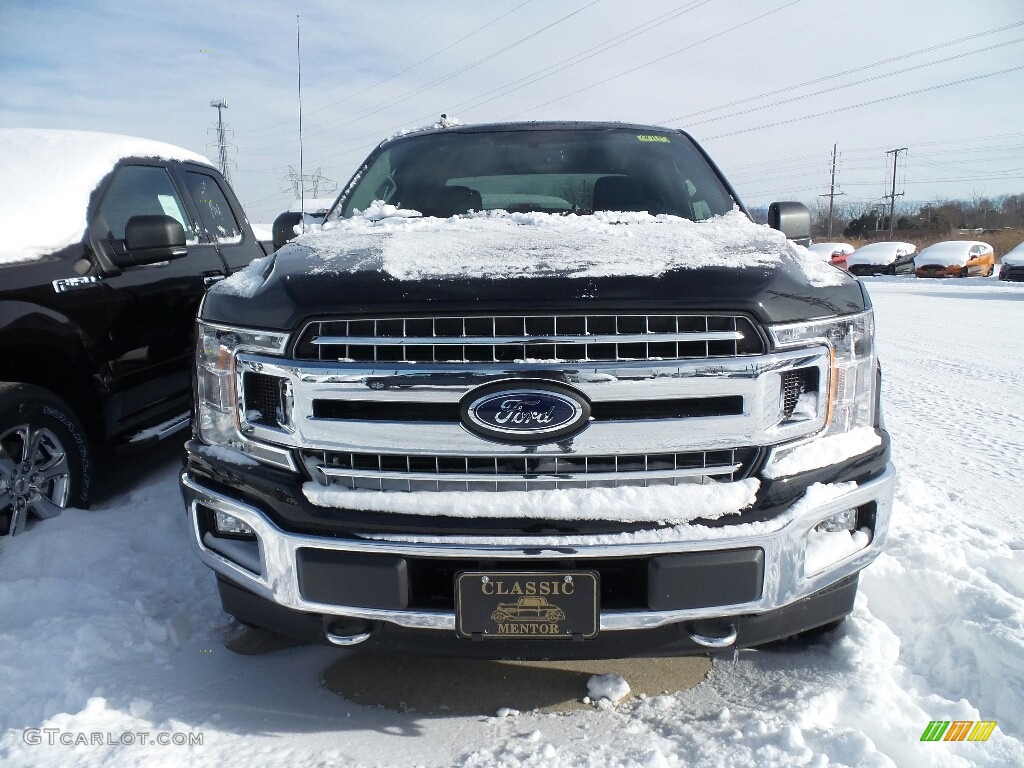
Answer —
312 184
222 142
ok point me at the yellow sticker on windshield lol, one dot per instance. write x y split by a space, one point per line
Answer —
660 139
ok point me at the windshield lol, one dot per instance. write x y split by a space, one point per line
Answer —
553 171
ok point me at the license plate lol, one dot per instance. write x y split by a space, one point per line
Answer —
520 605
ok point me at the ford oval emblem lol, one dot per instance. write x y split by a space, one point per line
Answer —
525 412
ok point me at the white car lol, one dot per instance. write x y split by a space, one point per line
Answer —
889 258
956 258
835 253
1012 265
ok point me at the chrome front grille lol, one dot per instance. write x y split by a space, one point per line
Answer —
675 398
529 338
401 472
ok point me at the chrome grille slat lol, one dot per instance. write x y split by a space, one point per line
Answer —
591 337
455 341
716 470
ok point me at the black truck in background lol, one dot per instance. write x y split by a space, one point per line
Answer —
96 337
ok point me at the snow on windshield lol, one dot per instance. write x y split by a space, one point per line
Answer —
501 245
48 177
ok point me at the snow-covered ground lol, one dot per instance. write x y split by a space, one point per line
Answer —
109 624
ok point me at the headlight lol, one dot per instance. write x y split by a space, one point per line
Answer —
216 392
851 386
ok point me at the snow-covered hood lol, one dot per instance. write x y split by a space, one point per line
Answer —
1015 258
948 254
499 245
47 177
879 254
400 259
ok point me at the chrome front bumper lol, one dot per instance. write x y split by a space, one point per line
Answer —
272 574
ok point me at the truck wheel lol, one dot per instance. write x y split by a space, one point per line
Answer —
45 459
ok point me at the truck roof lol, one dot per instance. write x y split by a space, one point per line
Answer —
446 125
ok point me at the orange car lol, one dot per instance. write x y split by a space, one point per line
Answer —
956 258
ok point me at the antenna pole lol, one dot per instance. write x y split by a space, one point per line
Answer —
302 187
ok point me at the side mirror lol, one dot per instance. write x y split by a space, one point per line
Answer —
791 219
151 239
284 227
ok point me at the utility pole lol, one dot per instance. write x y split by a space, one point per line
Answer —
222 143
832 191
892 197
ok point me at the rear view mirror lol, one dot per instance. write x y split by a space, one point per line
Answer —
151 239
284 227
791 219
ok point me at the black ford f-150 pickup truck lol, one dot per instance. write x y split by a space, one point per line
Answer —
109 243
540 363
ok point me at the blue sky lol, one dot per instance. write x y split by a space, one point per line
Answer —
766 85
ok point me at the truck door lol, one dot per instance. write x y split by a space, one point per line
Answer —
151 308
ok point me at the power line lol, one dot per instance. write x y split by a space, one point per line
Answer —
844 73
589 53
362 114
865 103
380 82
851 84
654 61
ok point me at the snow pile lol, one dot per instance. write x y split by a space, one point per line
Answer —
611 687
818 273
823 452
657 504
379 210
444 122
48 177
245 282
827 548
498 245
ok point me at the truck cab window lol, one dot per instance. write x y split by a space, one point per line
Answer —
138 190
214 208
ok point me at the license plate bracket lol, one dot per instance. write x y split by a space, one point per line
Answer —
527 605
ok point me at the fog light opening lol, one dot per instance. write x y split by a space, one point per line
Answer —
834 539
228 525
846 520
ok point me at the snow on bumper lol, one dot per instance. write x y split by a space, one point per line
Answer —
269 568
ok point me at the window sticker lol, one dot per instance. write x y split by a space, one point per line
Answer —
657 139
170 206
